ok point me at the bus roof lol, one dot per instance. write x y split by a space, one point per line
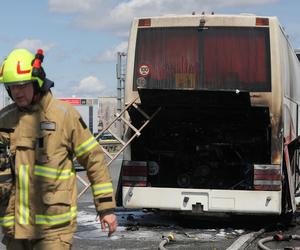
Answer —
240 20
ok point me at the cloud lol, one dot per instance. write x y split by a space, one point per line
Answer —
109 55
34 44
89 86
116 16
71 6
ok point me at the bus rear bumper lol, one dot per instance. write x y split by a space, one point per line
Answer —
203 200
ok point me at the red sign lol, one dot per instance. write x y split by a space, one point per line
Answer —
73 101
144 70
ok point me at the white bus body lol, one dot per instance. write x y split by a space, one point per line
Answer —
226 138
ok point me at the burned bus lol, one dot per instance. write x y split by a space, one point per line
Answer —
226 137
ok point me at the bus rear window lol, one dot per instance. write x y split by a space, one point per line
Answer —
216 58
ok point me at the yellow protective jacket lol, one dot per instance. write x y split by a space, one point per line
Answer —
43 197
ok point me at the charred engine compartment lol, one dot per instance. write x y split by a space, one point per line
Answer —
201 139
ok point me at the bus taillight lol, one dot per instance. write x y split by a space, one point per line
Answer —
134 173
145 22
260 21
267 177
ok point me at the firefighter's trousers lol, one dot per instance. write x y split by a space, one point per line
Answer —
60 242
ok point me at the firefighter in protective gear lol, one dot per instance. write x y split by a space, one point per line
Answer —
43 135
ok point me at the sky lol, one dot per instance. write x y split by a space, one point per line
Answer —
81 38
